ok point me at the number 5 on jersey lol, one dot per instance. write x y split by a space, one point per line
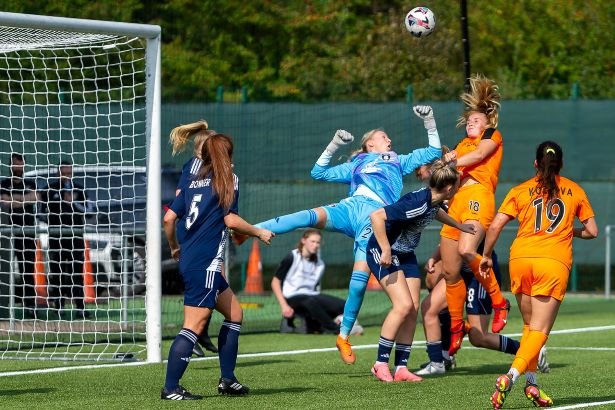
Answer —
194 210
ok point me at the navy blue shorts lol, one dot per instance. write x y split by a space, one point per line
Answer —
478 301
405 262
203 287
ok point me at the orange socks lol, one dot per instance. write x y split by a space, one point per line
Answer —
456 298
527 355
489 283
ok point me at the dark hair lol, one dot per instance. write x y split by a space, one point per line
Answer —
549 161
16 156
66 162
306 234
217 154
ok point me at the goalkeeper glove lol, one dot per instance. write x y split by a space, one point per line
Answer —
425 112
340 138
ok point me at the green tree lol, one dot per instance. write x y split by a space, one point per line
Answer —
319 50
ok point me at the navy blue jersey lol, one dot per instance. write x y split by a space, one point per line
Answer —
201 231
189 171
406 219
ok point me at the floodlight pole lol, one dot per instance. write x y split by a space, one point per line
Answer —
465 39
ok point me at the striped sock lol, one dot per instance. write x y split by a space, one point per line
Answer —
508 345
384 349
179 357
228 345
402 354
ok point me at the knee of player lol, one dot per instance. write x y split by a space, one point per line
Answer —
468 254
404 307
476 338
236 316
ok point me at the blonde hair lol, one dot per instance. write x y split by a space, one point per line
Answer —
366 137
442 175
483 97
198 130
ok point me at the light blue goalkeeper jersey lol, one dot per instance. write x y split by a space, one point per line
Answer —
380 172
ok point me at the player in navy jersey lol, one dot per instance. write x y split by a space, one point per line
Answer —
390 256
198 131
375 179
200 216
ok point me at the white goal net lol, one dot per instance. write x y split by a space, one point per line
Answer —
79 107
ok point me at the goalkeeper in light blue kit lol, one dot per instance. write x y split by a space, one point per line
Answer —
375 179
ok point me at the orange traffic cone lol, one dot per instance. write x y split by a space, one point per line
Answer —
40 281
372 283
89 288
254 273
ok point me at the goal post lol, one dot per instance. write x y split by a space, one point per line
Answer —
86 94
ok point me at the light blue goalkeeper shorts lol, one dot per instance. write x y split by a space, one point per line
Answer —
351 217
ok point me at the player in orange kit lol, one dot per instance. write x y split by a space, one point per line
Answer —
478 158
540 259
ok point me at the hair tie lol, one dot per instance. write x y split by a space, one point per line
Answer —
550 150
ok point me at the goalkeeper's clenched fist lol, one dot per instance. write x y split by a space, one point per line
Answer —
425 112
340 138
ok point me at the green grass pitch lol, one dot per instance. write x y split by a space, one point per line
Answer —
581 361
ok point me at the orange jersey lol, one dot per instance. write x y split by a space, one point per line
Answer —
486 172
545 228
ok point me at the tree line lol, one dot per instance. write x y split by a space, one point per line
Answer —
359 50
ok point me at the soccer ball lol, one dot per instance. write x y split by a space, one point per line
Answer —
420 21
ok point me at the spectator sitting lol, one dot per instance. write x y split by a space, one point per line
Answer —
296 285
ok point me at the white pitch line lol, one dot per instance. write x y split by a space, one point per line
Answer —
584 405
288 353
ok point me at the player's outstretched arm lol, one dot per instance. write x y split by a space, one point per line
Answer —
340 173
237 223
491 237
445 218
340 139
425 112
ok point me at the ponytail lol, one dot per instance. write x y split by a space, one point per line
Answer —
549 162
181 135
217 154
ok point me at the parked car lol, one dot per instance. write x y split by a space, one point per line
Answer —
115 230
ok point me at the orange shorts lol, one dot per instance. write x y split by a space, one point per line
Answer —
470 202
538 277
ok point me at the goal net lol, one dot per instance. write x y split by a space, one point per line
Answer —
79 128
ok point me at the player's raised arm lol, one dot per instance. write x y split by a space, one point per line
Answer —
428 154
340 173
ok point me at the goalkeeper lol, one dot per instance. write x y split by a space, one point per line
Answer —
375 178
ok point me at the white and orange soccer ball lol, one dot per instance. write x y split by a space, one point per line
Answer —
420 21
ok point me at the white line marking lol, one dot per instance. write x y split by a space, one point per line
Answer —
294 352
583 405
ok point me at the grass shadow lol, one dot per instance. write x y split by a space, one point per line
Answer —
17 392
